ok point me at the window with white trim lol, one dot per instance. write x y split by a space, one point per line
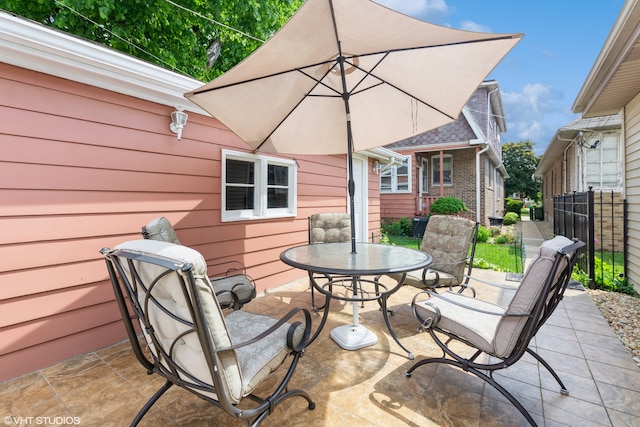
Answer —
602 169
396 178
257 187
447 167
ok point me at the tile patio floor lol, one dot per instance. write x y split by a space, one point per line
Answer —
366 387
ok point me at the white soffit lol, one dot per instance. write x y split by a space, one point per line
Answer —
30 45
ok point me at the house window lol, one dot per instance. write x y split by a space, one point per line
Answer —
255 187
603 164
396 178
447 167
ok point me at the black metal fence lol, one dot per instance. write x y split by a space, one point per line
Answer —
597 218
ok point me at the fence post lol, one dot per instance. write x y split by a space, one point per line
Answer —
591 238
625 245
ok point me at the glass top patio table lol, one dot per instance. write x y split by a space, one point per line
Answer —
369 259
344 269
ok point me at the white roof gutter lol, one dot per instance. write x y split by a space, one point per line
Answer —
33 46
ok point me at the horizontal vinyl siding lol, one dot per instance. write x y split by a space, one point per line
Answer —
396 206
83 168
632 190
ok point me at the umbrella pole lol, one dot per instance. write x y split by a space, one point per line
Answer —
351 184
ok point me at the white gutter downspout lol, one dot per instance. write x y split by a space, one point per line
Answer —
564 168
489 107
495 188
478 181
564 162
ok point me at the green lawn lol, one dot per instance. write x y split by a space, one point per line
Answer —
488 256
498 257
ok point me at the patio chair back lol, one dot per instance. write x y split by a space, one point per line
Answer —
451 242
192 345
160 229
449 239
329 228
232 285
539 293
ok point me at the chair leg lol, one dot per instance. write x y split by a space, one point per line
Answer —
280 394
150 402
478 373
563 389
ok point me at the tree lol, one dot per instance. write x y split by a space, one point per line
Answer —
166 32
520 162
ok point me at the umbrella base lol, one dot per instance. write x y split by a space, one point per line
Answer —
353 337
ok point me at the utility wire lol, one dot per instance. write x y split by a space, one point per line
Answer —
214 21
116 36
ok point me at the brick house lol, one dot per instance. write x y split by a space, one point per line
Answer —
462 159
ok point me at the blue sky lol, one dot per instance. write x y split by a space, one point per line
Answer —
541 77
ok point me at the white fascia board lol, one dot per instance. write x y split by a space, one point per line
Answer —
383 154
475 127
36 47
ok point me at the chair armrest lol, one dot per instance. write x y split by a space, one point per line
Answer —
428 322
459 304
483 281
234 297
275 326
226 268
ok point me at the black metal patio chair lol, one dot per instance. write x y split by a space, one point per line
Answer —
221 359
233 286
498 336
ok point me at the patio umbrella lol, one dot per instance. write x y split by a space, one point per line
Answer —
347 75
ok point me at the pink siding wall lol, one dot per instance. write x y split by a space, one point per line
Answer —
83 168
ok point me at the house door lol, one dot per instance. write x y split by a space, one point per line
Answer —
361 180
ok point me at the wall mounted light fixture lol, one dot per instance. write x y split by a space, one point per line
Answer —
377 167
178 120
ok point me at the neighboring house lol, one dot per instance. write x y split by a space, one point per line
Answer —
87 158
612 87
462 159
587 153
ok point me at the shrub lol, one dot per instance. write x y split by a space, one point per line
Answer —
514 206
500 240
483 234
510 218
447 205
401 227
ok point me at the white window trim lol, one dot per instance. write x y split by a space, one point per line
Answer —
393 171
260 210
424 173
599 165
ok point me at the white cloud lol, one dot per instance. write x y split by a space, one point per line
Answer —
535 113
417 7
473 26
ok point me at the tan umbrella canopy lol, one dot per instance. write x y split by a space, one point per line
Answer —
347 75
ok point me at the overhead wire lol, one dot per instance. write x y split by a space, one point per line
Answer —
170 66
214 21
58 2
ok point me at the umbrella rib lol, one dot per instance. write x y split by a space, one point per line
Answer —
318 82
425 103
255 79
386 52
383 82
